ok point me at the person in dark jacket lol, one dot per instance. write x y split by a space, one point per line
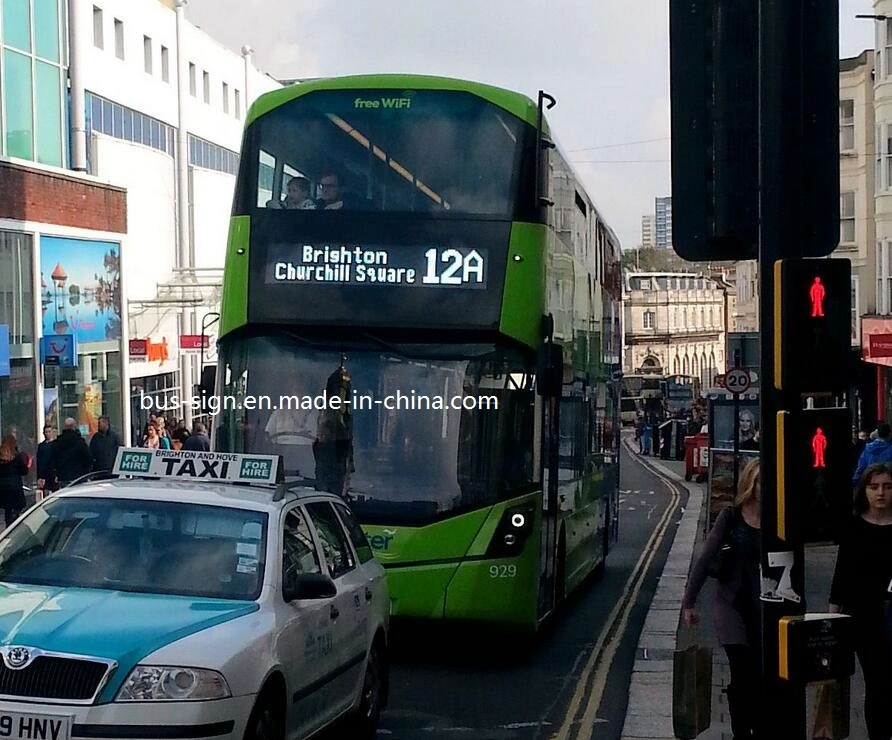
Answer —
46 477
13 466
861 588
198 441
876 451
737 610
104 445
71 456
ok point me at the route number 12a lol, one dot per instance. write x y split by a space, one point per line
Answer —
459 268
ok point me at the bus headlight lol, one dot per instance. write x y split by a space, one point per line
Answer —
512 532
172 683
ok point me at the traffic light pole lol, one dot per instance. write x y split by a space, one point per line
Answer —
783 213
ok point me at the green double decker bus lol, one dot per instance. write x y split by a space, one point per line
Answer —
419 250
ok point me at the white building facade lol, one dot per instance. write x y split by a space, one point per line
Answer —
674 323
163 109
648 232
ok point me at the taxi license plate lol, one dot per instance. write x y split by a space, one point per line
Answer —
34 726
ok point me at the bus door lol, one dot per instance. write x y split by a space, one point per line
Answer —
550 441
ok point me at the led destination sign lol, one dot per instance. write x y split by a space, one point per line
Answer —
409 266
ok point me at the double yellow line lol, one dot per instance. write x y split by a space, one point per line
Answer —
597 668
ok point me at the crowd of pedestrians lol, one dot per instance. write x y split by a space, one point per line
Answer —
861 586
64 458
159 435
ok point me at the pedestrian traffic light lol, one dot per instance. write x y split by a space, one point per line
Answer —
812 324
814 472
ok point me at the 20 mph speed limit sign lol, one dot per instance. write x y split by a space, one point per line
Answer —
737 381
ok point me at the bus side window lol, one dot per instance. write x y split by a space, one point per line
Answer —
266 176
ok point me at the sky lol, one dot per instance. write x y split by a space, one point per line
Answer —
605 61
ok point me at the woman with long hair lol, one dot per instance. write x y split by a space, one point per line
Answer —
152 440
737 610
862 588
13 466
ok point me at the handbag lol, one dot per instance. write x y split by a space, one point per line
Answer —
691 691
721 566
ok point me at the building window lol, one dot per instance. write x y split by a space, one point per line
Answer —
206 80
119 39
111 119
192 80
46 29
856 312
887 152
147 53
847 217
649 319
225 98
48 85
888 46
887 273
165 64
18 111
884 276
238 104
98 35
16 24
209 156
846 125
878 153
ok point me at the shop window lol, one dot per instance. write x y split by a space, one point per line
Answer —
16 286
86 392
18 412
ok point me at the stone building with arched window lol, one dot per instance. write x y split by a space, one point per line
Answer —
675 324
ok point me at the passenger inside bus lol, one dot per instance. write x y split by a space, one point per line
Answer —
298 196
331 197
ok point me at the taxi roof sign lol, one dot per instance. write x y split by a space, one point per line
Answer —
219 467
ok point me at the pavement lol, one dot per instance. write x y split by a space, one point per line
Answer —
649 713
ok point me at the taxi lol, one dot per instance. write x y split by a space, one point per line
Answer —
191 595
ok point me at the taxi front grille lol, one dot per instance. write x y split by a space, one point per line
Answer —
52 677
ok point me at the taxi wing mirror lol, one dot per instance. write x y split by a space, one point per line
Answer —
309 586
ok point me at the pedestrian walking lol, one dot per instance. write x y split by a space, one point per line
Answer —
198 441
46 474
733 549
861 588
878 450
71 456
13 467
104 445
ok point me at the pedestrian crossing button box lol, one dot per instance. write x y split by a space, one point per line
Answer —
816 647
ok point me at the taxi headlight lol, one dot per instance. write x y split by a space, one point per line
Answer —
171 683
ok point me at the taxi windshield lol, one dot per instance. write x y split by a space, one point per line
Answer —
155 547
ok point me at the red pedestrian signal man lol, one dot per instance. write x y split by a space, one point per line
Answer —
819 447
816 294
